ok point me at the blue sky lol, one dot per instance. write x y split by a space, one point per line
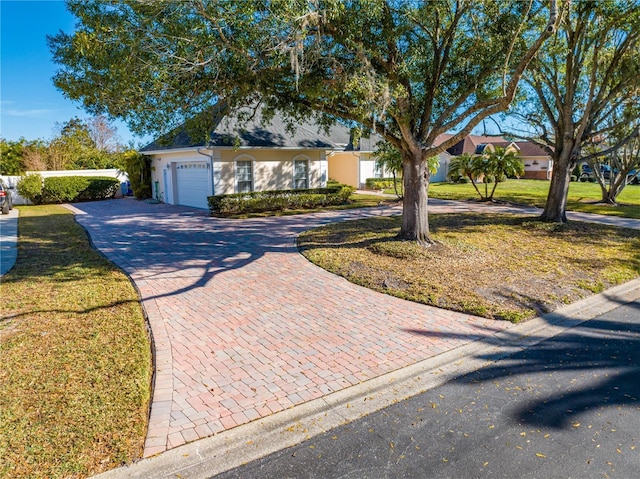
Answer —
30 105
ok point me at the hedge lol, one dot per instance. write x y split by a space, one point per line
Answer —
278 200
64 189
381 183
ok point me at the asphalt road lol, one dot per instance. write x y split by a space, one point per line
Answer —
568 407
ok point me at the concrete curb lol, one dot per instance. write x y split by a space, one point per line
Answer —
213 455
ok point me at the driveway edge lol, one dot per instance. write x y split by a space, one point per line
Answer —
216 454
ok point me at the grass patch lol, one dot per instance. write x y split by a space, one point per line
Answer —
495 266
357 200
76 359
582 197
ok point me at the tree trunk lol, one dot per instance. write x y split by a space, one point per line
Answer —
555 209
617 182
415 220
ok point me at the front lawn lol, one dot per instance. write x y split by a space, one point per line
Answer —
582 196
75 355
496 266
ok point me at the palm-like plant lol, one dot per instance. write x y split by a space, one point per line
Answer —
498 164
389 158
465 165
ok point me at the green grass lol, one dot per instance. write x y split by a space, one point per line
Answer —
75 354
582 196
496 266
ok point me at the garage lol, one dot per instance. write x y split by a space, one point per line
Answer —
192 184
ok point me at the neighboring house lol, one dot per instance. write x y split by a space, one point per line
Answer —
241 156
537 162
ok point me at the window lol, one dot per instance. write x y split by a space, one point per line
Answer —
377 170
300 174
244 176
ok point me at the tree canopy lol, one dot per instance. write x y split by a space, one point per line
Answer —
583 86
77 144
409 71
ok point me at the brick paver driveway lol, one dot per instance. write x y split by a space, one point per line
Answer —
244 326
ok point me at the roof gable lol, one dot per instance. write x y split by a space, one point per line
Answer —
247 128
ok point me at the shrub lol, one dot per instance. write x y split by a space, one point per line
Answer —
279 200
138 167
63 189
30 187
381 183
100 188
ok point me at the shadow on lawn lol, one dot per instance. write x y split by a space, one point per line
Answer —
604 353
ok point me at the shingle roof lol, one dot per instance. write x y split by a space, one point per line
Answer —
232 131
475 143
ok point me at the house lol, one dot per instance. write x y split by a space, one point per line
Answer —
241 156
244 153
537 162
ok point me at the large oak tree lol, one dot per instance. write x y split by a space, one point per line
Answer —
408 70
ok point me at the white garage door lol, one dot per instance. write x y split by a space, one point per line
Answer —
192 180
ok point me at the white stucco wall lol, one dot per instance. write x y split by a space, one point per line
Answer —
272 168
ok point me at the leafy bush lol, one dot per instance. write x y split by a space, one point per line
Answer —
63 189
138 167
278 200
100 188
381 183
30 187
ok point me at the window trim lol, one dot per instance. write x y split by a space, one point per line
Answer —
248 159
307 160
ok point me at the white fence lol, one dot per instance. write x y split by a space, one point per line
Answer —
12 181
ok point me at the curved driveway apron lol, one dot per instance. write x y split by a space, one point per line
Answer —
244 326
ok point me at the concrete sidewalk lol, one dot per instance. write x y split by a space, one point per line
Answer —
8 240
